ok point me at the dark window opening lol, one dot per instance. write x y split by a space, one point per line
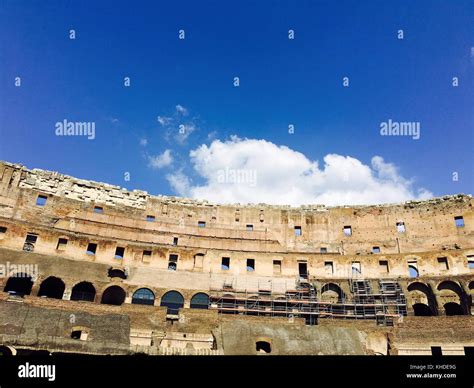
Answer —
150 218
146 256
175 241
452 308
436 351
250 265
20 284
276 266
298 231
62 242
263 347
225 264
328 266
422 310
76 334
401 227
30 242
91 248
113 295
201 224
83 291
173 300
323 250
356 268
384 266
459 221
303 270
117 273
41 200
443 263
375 249
3 229
347 230
98 209
470 264
119 252
52 287
143 296
173 263
249 227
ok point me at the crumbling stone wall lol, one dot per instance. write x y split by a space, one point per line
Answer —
431 235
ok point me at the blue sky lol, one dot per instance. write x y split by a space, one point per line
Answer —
282 82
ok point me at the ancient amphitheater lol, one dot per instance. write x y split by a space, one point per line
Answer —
91 268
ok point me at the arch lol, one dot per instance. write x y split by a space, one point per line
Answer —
117 273
422 310
332 292
452 308
450 285
453 298
263 347
200 301
173 300
20 284
83 291
113 295
418 286
52 287
421 294
7 351
143 296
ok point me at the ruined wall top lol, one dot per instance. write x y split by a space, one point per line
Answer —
62 185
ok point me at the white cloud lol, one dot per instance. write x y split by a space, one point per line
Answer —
181 110
179 182
143 142
258 171
163 120
160 161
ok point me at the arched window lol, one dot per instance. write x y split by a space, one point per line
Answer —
331 291
456 300
143 296
173 300
83 291
113 295
422 295
19 284
200 301
52 287
413 271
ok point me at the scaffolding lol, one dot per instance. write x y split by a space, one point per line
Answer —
301 301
